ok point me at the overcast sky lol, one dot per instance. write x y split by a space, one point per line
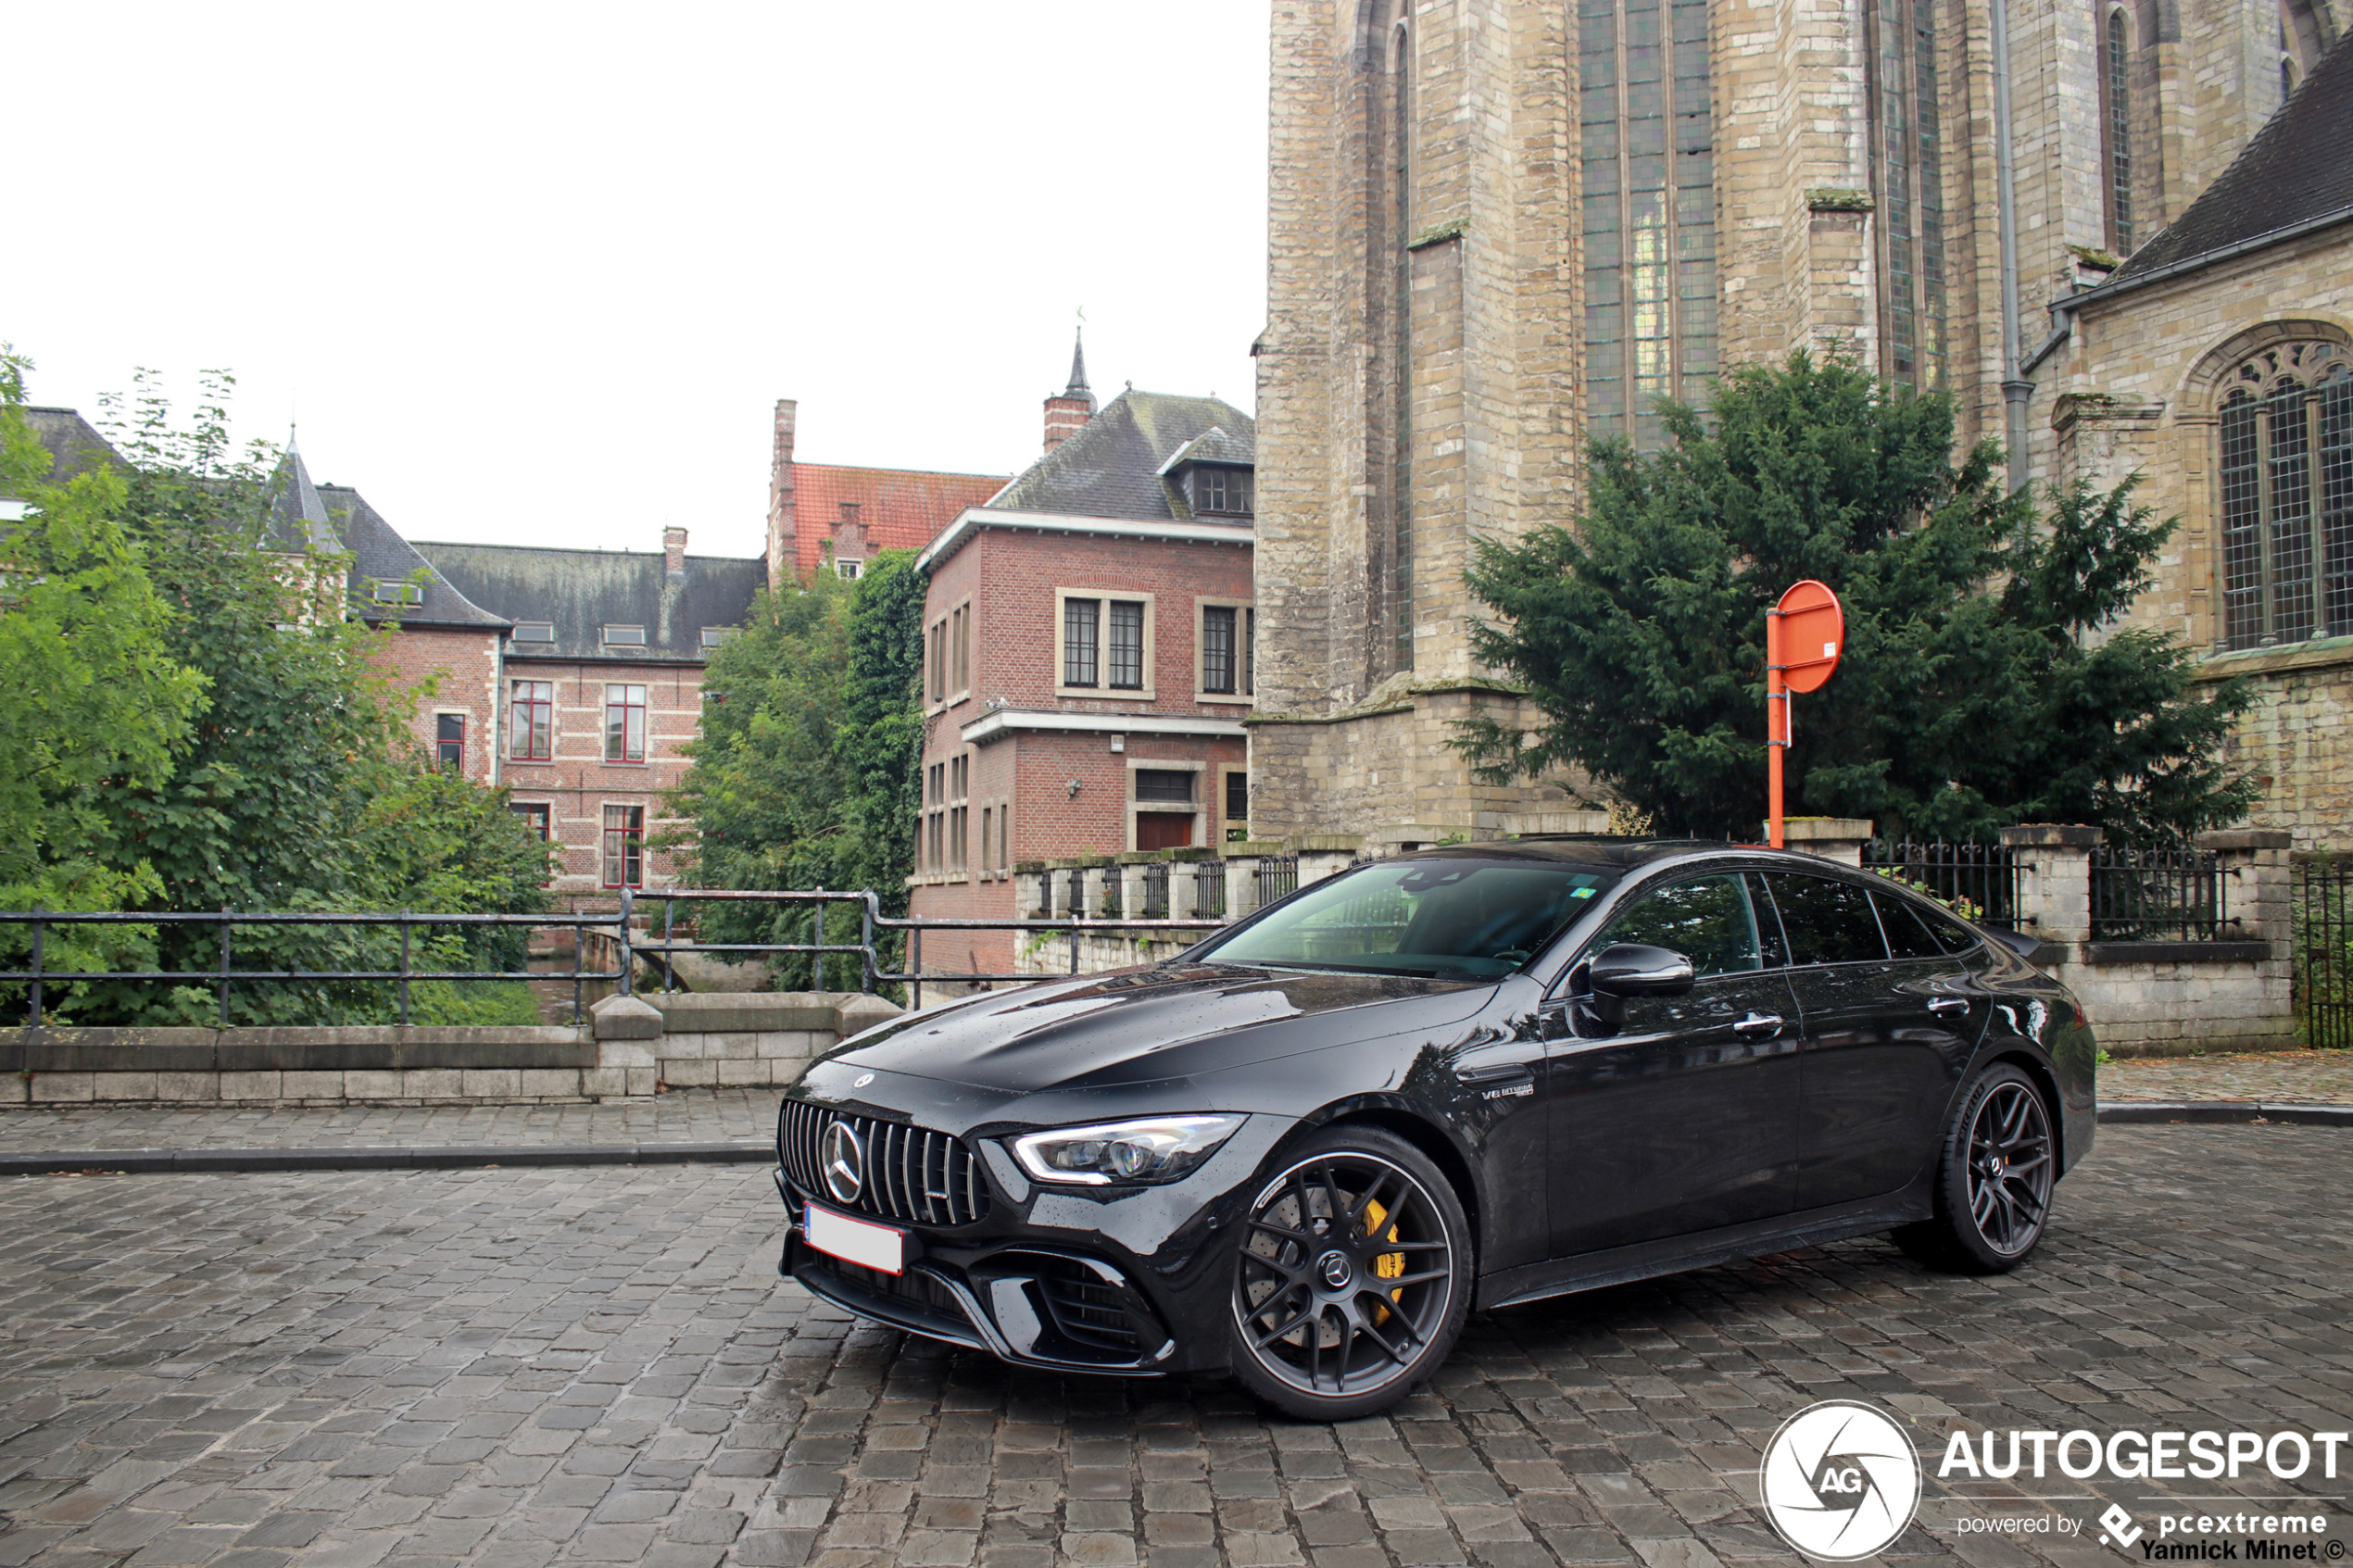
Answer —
537 274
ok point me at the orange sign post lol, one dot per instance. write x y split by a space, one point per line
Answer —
1804 635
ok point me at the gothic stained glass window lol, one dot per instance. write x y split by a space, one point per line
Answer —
2120 134
1907 169
1649 218
2286 494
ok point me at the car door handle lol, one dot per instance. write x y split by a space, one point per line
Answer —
1759 1023
1948 1004
1494 1071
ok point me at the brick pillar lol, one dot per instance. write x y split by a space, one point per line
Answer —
1241 880
674 553
2256 890
1063 881
2055 878
1184 882
1091 882
1130 871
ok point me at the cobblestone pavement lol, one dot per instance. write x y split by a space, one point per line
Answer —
512 1367
686 1116
2312 1077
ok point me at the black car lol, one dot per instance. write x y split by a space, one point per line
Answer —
1304 1149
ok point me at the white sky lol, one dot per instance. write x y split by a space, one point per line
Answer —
537 273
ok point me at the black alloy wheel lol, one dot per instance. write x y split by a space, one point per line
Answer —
1351 1275
1994 1188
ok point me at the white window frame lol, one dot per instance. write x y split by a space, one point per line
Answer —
1160 808
1103 690
1242 609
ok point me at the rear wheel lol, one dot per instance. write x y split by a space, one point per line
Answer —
1351 1277
1993 1184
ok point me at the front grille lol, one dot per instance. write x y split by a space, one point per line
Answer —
1085 1308
914 1175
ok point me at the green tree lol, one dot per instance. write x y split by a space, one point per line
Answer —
96 700
1984 680
807 772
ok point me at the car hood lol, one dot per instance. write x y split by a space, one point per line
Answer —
1132 1026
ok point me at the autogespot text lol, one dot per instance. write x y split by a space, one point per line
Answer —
2137 1456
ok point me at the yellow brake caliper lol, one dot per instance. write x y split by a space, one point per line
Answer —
1388 1265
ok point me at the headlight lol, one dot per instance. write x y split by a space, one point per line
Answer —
1159 1148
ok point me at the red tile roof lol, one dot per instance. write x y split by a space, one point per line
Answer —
902 508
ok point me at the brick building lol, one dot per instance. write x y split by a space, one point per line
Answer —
593 689
1499 229
1088 657
828 516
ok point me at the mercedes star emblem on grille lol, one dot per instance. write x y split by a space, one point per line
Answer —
845 1161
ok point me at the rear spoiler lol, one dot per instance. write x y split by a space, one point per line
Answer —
2017 942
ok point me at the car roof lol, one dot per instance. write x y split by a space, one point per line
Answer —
1593 849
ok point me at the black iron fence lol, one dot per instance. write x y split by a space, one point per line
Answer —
1209 888
1277 878
2164 894
619 948
2321 919
1155 892
1981 878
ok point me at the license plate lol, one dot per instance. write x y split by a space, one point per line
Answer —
854 1241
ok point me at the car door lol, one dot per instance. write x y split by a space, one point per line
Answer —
1683 1117
1872 1061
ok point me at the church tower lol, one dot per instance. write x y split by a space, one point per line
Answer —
1501 229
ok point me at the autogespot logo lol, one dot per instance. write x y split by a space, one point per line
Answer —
1839 1480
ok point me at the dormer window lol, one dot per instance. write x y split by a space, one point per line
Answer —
1222 492
625 636
534 632
396 592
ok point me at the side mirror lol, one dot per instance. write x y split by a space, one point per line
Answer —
1634 969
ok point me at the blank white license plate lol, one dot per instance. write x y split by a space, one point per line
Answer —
854 1241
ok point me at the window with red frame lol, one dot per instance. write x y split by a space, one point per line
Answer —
625 723
449 741
624 847
531 723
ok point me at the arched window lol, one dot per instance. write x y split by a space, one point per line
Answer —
2119 48
2287 464
1647 136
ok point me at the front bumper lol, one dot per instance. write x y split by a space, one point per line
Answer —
1125 1285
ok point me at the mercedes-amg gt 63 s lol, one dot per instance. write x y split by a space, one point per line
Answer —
1304 1149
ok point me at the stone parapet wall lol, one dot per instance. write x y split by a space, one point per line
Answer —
634 1048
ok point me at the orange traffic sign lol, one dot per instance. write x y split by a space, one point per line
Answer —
1813 633
1804 635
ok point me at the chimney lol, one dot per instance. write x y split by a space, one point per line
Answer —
784 531
1068 410
674 552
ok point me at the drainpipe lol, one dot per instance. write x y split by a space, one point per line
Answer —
2016 389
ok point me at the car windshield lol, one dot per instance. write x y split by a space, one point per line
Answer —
1451 917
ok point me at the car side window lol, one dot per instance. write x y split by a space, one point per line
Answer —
1770 945
1908 936
1825 922
1709 920
1950 933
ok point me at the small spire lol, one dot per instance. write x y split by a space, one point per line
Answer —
1078 387
305 496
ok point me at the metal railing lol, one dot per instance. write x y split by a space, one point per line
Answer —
628 933
2167 895
1277 878
1155 892
1209 888
1984 876
2322 916
223 976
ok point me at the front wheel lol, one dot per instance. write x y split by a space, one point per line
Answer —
1993 1184
1351 1277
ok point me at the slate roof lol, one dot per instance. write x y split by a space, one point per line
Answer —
380 555
1113 465
73 443
901 508
2298 169
581 591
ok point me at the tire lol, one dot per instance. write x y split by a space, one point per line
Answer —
1351 1275
1994 1181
